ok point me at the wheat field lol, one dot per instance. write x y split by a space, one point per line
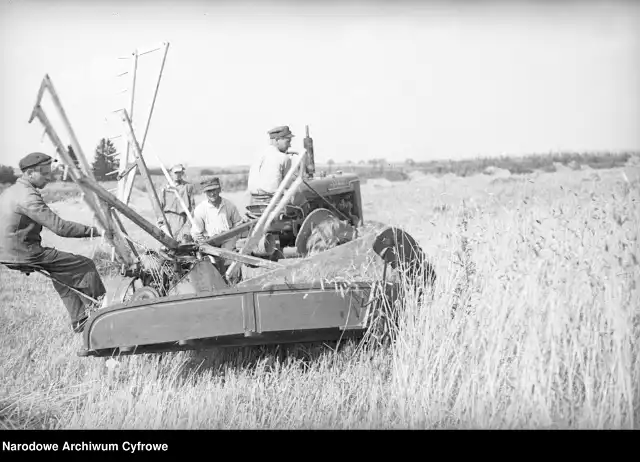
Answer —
534 323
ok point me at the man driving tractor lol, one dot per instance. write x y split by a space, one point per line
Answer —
271 166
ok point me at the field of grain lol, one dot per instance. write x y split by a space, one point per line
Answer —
542 270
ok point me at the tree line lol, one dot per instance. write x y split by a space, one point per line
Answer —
105 164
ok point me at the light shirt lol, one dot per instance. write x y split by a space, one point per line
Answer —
211 220
268 171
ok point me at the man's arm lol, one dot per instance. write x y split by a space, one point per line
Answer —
38 211
285 166
198 231
234 215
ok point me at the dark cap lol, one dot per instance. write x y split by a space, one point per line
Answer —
280 132
210 183
34 159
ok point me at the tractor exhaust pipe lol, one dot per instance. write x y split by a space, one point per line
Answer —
308 146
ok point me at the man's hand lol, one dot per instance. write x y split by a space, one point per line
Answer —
95 231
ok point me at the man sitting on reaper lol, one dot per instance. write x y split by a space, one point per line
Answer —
23 214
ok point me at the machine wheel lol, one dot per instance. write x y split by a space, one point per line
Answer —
401 251
132 289
320 231
145 293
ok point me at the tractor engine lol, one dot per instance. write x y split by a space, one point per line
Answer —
338 193
342 191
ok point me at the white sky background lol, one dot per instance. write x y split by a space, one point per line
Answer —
424 80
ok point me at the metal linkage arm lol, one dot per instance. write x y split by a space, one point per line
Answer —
219 239
272 210
100 209
128 212
142 166
128 183
237 257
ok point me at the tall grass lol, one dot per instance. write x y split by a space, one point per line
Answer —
545 338
544 333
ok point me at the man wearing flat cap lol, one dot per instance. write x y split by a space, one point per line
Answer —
213 216
23 214
271 166
173 211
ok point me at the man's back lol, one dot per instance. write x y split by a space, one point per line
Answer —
268 171
13 234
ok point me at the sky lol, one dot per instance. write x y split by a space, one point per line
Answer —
394 80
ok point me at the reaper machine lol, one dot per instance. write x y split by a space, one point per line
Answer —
279 288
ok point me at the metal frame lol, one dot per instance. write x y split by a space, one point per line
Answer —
244 314
28 268
127 171
99 207
104 204
284 193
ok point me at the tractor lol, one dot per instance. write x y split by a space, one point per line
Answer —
175 298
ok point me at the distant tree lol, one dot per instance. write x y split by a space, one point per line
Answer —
7 174
105 162
330 163
410 162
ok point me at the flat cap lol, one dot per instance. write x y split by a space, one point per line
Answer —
210 183
280 132
34 159
177 168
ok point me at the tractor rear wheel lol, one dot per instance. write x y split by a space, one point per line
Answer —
321 231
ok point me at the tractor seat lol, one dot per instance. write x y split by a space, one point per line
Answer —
289 211
26 268
256 209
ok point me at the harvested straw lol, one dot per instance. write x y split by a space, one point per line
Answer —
344 266
327 235
349 262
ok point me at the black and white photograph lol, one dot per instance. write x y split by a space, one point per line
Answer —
316 215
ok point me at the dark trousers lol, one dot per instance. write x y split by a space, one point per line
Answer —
76 271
